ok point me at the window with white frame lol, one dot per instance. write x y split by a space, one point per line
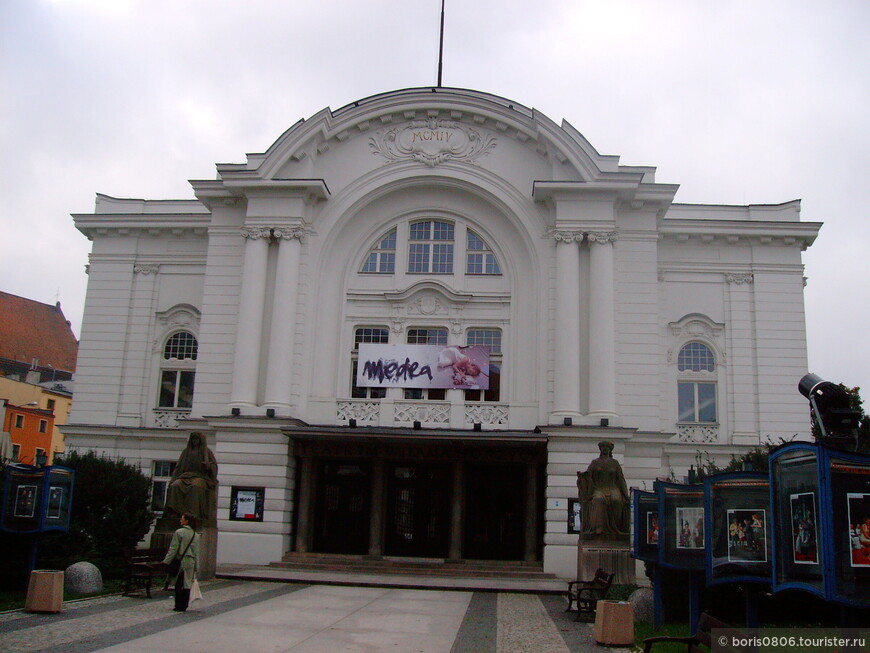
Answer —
161 474
381 258
490 338
178 372
696 384
426 336
430 247
375 334
479 258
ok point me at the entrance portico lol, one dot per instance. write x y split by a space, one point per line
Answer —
438 494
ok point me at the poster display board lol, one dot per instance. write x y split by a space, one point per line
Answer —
798 558
738 537
848 477
423 366
246 503
681 526
645 525
36 499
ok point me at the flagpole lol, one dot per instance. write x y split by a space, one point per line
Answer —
441 44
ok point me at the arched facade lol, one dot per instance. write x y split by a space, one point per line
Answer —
448 217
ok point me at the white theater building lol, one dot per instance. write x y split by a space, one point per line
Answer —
434 216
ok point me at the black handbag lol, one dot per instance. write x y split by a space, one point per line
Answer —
174 566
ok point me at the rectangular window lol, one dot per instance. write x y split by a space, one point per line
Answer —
176 389
418 258
696 402
16 453
43 426
378 335
431 247
50 404
162 474
19 421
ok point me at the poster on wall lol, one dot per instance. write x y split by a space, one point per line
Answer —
246 503
652 528
25 501
747 535
423 366
690 528
859 528
55 501
804 528
574 516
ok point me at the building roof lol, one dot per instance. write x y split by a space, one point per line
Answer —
32 331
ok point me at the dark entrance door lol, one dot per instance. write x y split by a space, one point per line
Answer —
342 512
494 515
418 510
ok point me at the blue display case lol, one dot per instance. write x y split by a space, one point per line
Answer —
681 526
36 499
821 504
645 525
737 516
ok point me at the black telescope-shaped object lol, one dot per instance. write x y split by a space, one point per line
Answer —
831 406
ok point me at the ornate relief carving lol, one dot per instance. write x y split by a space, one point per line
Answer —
362 411
737 278
145 269
168 419
565 236
431 142
427 412
486 413
697 433
602 237
255 233
289 233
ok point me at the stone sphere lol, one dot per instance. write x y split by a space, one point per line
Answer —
83 578
642 600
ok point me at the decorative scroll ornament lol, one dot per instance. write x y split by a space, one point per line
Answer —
738 279
255 233
145 269
431 142
289 233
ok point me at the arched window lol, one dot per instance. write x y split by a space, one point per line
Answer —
382 257
696 384
479 258
177 373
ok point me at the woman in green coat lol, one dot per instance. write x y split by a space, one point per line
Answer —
185 546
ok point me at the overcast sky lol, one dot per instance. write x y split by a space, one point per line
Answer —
737 102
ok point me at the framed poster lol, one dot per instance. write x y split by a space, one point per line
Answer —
652 528
858 505
246 503
55 501
690 528
804 529
25 500
575 519
645 525
747 535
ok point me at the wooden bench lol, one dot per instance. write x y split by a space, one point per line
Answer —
587 593
702 640
142 567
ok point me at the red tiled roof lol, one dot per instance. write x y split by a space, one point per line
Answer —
32 330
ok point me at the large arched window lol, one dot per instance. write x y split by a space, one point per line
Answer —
177 371
382 257
696 384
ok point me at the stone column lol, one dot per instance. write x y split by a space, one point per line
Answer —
279 357
377 508
566 400
457 512
602 336
305 506
252 301
531 514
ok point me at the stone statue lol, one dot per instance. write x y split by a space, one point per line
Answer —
193 488
603 495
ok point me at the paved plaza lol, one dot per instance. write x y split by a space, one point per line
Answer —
239 616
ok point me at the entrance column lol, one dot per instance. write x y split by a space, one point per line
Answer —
279 371
567 367
252 302
457 513
377 509
304 506
530 542
602 363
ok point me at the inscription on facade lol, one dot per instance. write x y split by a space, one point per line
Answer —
432 142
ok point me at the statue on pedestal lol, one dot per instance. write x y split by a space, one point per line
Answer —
604 497
193 488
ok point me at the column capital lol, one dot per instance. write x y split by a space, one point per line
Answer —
601 237
290 233
255 233
566 235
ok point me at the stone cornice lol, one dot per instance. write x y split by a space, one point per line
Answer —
732 232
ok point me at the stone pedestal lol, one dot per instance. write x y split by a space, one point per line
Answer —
207 562
613 556
614 623
44 591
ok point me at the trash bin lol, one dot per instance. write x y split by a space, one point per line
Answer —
44 591
614 623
